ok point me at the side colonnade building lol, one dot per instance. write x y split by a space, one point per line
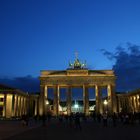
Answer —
129 102
77 75
15 103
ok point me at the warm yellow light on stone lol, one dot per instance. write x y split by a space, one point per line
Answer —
9 106
134 97
47 102
105 102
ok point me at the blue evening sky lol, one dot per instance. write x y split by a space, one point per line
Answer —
36 35
45 34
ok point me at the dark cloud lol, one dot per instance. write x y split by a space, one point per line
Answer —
127 66
27 83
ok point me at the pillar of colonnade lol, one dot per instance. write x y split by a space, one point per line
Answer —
16 105
138 103
112 103
69 100
42 100
13 106
56 100
134 104
23 106
99 105
86 100
130 102
45 98
4 109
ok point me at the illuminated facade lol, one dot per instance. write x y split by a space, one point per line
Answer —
129 102
77 75
15 103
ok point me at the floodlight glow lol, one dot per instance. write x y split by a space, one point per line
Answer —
105 102
47 102
76 106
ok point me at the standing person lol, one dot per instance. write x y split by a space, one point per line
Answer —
77 121
105 119
71 119
27 120
114 118
99 117
43 120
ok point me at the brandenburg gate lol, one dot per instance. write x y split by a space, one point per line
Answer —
77 75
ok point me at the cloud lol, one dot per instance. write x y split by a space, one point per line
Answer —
108 54
126 67
27 83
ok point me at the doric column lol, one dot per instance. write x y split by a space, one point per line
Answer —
69 96
16 106
26 106
4 108
18 110
130 103
19 105
13 105
9 106
99 107
46 92
56 101
111 99
137 106
86 100
23 105
35 112
21 112
134 100
45 98
138 98
41 100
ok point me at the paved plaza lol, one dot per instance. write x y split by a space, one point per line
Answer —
13 130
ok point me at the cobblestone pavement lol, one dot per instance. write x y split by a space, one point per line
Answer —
62 131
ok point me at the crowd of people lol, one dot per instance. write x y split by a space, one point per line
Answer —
75 119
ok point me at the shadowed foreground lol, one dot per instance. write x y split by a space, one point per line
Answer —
90 130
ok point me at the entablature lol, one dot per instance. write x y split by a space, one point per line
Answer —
78 80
